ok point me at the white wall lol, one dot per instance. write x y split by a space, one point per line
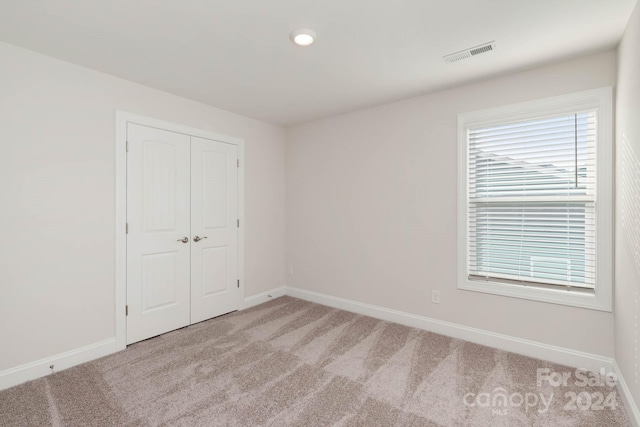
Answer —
57 166
627 292
371 208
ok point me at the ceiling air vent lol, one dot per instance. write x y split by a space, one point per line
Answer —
472 51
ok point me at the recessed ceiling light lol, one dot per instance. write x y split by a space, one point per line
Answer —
303 37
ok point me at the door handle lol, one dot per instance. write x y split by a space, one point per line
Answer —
198 238
185 239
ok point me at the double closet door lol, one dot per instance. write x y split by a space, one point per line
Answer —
182 230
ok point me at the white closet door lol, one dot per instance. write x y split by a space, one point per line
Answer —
158 261
214 215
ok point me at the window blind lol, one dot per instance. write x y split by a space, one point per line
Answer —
531 201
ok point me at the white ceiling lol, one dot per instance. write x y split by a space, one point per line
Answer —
236 54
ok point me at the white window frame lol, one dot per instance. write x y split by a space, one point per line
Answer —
600 99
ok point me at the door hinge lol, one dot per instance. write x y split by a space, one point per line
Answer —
238 282
238 223
238 162
127 146
127 228
126 310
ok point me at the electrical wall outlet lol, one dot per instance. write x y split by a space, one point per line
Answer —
435 297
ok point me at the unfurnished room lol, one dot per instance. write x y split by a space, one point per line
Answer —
320 213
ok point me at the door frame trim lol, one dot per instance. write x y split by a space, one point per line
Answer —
122 119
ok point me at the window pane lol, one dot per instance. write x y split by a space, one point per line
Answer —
533 241
532 201
546 157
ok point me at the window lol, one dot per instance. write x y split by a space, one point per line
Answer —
535 200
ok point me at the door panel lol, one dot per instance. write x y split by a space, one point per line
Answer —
158 264
158 281
214 214
214 189
214 270
159 180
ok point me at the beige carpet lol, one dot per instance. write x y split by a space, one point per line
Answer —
291 362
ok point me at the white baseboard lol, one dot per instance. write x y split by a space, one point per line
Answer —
263 297
627 398
62 361
560 355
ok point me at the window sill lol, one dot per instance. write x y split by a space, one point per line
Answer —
581 299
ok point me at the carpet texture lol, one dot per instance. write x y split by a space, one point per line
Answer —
292 362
